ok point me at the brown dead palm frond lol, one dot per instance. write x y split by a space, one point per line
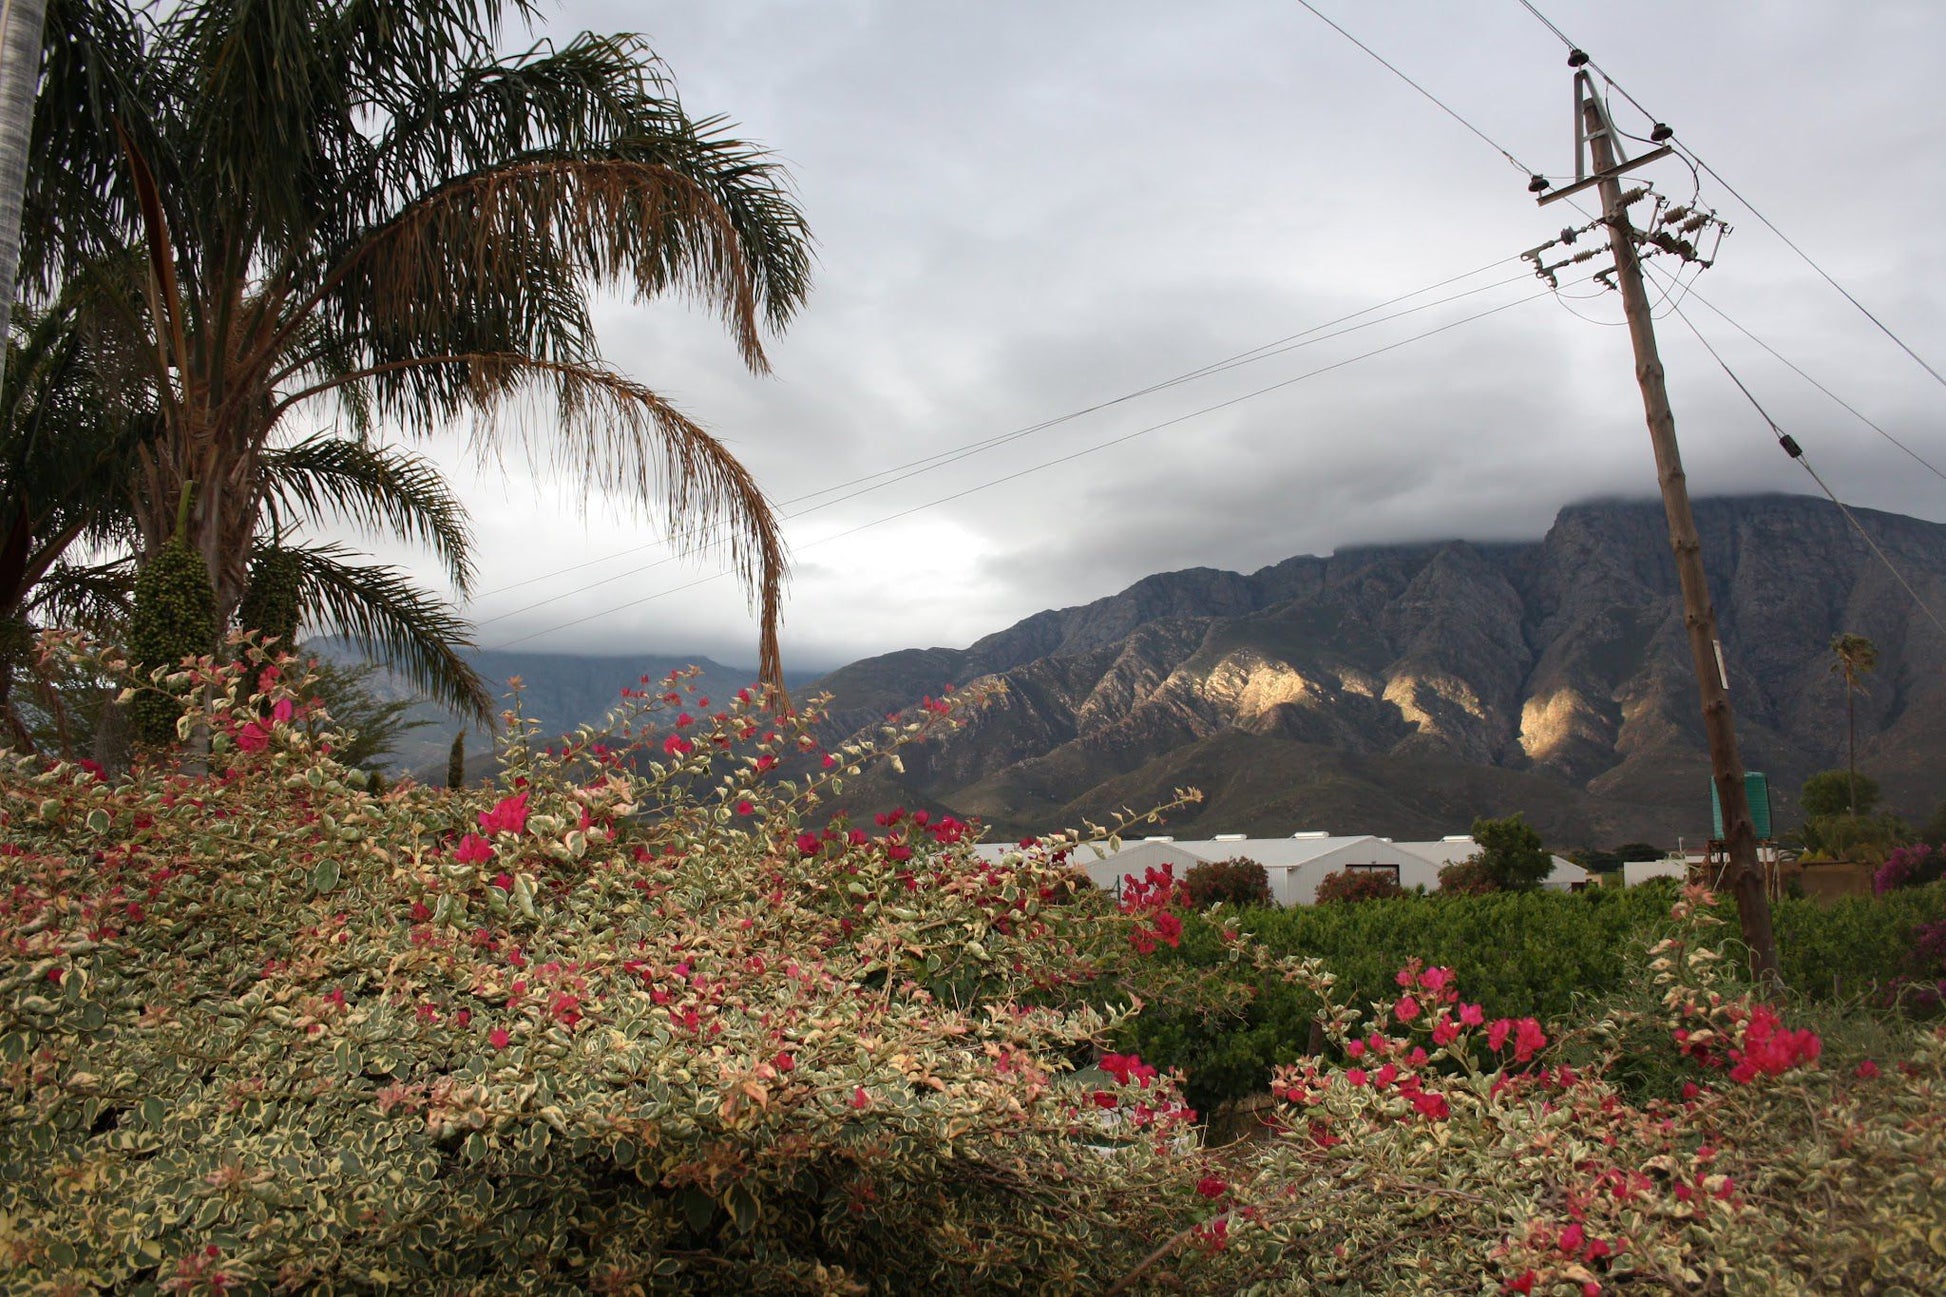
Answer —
618 436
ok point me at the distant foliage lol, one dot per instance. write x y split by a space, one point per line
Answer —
1511 853
1468 877
1237 881
1358 885
1828 792
1910 866
1537 952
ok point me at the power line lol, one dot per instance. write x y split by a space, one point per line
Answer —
1696 159
1795 368
915 468
1439 103
1051 463
925 463
1796 452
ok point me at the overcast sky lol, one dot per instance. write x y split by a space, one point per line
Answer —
1027 208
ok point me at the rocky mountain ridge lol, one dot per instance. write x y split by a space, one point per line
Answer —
1403 689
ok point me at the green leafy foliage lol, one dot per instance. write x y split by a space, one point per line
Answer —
1511 853
1238 881
1828 792
1541 952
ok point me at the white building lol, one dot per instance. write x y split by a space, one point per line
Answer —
1294 866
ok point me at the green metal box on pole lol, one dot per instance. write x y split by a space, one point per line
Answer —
1757 788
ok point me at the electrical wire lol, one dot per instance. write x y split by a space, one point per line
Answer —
1046 464
1796 452
1797 369
946 458
939 459
1696 159
1441 104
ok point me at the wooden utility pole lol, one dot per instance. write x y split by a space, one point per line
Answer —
1597 132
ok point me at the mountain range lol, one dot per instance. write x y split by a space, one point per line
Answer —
1404 689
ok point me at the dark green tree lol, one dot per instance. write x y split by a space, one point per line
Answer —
1511 854
1839 792
456 762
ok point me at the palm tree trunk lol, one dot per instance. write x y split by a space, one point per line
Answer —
1851 747
20 71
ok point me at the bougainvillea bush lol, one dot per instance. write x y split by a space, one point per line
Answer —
591 1030
628 1025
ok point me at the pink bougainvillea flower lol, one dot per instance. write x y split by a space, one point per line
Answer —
509 815
677 746
745 808
1436 979
498 1038
253 737
808 844
1356 1075
1106 1099
1406 1008
859 1099
1356 1049
1433 1107
473 850
1497 1034
1445 1031
1529 1039
1212 1186
1471 1016
504 881
1866 1070
281 710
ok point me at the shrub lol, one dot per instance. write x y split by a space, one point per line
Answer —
587 1031
1468 877
1239 881
1912 866
1358 885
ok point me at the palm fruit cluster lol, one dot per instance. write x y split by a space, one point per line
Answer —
174 618
270 604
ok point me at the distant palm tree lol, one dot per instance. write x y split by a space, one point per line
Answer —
363 208
1856 658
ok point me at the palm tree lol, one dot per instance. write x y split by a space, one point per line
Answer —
358 205
1856 658
68 441
20 46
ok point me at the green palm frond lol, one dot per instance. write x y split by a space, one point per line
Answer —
378 488
94 597
382 612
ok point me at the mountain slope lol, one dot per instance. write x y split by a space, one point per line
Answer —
1404 689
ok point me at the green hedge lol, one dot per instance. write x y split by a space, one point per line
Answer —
1516 953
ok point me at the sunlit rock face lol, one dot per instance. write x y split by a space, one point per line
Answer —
1552 676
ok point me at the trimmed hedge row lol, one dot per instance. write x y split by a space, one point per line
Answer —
1535 952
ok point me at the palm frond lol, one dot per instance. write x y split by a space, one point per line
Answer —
94 597
382 612
618 436
379 488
